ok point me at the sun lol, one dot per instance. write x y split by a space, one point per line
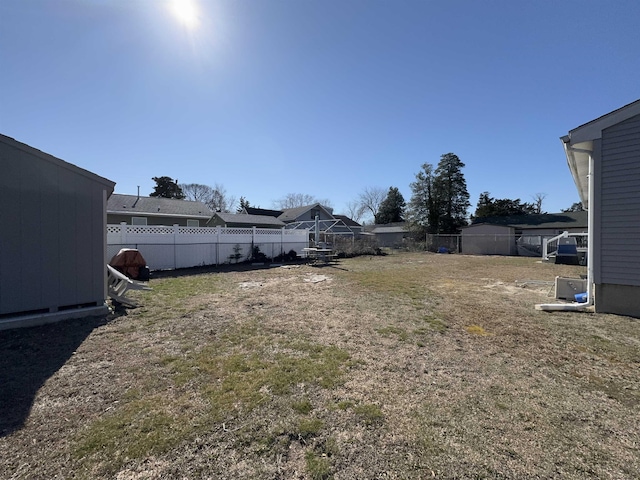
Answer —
186 12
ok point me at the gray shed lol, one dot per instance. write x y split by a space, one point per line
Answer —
53 237
500 235
489 239
609 148
391 235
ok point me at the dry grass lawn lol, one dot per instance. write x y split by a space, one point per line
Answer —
406 366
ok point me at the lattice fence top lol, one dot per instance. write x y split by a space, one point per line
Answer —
196 231
167 230
149 229
237 231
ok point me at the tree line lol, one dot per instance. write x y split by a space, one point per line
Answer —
439 200
217 198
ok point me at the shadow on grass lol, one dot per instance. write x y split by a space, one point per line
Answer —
227 267
30 356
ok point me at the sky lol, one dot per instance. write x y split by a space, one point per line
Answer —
319 97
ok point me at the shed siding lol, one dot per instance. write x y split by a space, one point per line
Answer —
488 240
53 235
620 204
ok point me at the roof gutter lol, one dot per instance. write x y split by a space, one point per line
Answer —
580 307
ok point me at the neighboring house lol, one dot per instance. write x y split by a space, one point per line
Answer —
391 235
609 148
304 217
518 234
354 226
243 220
53 254
306 213
137 210
328 224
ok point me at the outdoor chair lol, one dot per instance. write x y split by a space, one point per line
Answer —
119 284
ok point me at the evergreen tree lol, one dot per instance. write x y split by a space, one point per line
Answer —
392 207
450 189
244 203
167 188
576 207
484 208
502 207
440 198
423 209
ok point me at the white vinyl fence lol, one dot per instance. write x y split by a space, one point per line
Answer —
165 247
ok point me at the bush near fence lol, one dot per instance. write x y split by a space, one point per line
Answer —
166 248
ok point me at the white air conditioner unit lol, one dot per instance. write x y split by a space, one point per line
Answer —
566 288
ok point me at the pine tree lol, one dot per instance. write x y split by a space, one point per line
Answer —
167 188
440 199
244 204
451 191
392 207
423 211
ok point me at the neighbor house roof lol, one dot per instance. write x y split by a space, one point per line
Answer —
398 227
347 221
543 220
245 219
292 214
263 211
155 206
578 145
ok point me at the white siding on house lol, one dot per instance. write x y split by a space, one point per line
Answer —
620 203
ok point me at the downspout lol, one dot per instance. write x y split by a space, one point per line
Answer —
580 307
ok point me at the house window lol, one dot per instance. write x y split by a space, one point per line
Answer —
193 223
138 220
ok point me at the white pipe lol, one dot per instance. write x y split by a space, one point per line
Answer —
580 307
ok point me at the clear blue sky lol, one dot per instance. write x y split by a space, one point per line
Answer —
321 97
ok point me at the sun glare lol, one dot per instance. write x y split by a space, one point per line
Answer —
186 12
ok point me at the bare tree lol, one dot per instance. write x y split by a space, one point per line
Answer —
325 202
293 200
538 198
371 198
197 192
355 210
220 201
215 197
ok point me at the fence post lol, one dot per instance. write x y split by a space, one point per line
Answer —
217 245
175 246
282 241
123 233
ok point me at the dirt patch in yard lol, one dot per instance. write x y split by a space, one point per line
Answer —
404 366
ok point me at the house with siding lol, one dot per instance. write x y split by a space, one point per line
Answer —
141 210
53 256
604 159
304 217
